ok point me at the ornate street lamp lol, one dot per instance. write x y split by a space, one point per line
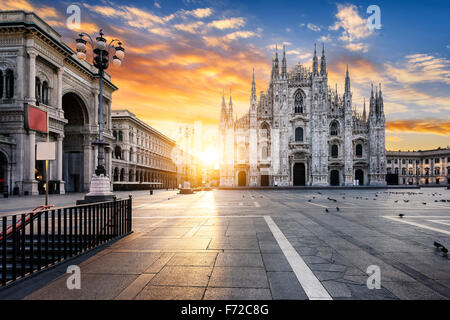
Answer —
100 185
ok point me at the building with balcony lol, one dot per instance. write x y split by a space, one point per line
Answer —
40 75
142 157
422 167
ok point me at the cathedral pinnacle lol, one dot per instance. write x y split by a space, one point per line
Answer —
315 63
323 63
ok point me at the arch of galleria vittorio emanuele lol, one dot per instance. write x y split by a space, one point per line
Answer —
39 71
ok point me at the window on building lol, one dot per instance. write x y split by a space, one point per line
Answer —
120 135
118 152
437 171
9 84
427 171
403 161
410 161
299 134
403 171
45 92
334 128
334 151
298 102
437 160
389 170
426 161
418 171
396 161
417 161
389 161
359 150
115 135
396 170
410 171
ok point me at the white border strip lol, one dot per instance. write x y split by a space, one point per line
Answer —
417 225
312 286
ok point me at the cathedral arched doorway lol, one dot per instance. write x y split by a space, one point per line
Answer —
359 175
3 172
334 178
299 174
242 179
73 154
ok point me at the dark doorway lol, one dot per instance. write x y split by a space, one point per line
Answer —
242 179
392 179
3 172
264 180
299 174
359 175
334 178
73 153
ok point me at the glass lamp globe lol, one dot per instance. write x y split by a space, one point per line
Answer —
116 61
101 44
120 54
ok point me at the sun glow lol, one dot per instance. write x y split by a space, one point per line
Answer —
210 157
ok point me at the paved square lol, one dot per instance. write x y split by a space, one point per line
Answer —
269 244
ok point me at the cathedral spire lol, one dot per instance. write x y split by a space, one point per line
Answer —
347 82
253 96
315 63
223 111
380 103
323 63
284 64
276 64
364 111
336 97
230 107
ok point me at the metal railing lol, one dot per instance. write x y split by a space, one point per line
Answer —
34 241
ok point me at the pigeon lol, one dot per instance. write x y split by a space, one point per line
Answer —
343 197
337 208
396 201
309 200
424 203
437 244
401 215
326 209
444 250
406 200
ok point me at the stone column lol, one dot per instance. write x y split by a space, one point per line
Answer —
30 184
89 166
32 76
59 159
95 93
20 76
59 87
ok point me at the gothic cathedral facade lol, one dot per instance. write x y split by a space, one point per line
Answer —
303 133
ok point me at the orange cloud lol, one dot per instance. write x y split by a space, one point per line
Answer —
436 126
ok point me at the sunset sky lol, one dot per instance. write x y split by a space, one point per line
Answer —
181 54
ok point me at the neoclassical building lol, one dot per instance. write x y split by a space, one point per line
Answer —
301 132
421 167
142 156
39 72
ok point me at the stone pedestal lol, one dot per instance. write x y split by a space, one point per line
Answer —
99 190
186 188
30 187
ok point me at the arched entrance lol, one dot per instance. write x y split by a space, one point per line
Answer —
334 178
242 179
3 172
73 154
359 175
299 174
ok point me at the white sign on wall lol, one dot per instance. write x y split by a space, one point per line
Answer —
45 151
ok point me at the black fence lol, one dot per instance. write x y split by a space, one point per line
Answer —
33 241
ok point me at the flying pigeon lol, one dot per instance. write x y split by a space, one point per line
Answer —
401 215
337 208
326 209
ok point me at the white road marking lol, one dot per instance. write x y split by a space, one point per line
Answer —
417 224
309 282
316 204
444 222
256 204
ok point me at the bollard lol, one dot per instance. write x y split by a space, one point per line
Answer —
151 192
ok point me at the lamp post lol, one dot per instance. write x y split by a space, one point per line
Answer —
100 183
